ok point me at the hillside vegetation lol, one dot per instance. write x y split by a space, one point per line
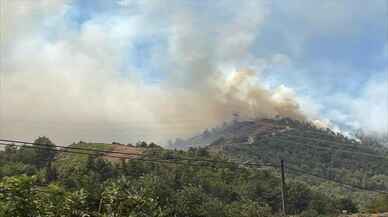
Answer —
306 149
226 177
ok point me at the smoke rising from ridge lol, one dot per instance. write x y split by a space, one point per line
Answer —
72 88
151 70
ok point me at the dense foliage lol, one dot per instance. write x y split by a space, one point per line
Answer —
44 183
319 152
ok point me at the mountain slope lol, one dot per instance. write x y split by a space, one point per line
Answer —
302 146
240 131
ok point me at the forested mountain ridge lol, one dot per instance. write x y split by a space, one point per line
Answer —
236 175
304 147
246 131
312 149
239 130
38 181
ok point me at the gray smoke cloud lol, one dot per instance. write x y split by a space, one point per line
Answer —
76 83
72 88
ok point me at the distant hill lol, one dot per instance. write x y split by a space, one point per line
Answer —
251 130
302 145
236 132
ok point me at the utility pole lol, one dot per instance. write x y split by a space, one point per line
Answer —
283 188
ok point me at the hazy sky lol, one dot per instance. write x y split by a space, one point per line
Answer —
99 70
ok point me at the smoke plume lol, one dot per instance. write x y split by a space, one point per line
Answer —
82 83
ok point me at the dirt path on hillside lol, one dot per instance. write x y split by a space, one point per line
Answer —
128 152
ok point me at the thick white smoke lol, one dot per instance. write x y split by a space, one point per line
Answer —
72 87
77 83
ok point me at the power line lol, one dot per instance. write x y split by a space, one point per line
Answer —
190 159
329 149
332 142
128 154
268 135
59 150
346 144
153 160
67 147
188 164
98 155
303 172
335 181
318 132
350 142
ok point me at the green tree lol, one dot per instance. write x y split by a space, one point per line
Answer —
378 205
17 197
299 197
190 201
120 198
43 150
249 208
347 204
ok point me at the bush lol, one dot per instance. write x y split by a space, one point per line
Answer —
309 213
378 205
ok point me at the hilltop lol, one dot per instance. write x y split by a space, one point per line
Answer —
304 147
249 131
234 132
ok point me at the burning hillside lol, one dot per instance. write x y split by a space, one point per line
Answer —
237 132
